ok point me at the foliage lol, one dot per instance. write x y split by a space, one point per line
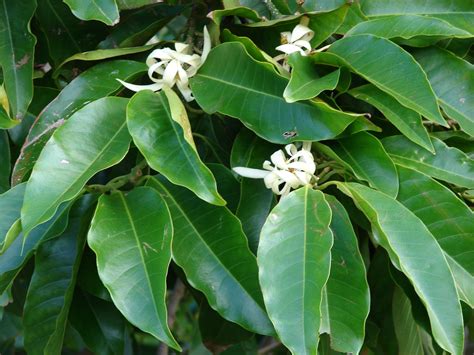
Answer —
297 176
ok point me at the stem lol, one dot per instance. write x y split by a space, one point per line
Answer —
273 345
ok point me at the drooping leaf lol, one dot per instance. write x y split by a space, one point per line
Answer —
448 164
305 82
97 82
209 245
65 34
100 54
16 53
409 334
415 252
131 235
452 79
255 199
52 286
346 304
163 134
93 139
294 260
256 98
227 185
369 56
407 121
449 220
408 26
368 159
137 28
105 11
99 323
5 167
18 253
10 206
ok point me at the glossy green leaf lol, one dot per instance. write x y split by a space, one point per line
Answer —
93 84
409 334
163 134
407 121
105 11
133 4
452 79
5 167
415 252
211 248
255 199
305 82
256 98
138 27
100 54
327 23
10 205
99 323
388 7
408 26
368 160
370 56
138 226
227 185
65 34
322 5
448 164
5 121
93 139
294 260
16 53
218 15
449 220
346 305
52 286
19 252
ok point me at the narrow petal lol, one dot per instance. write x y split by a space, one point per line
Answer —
251 173
307 146
169 76
206 46
136 88
289 48
289 178
301 31
184 89
291 149
181 47
279 159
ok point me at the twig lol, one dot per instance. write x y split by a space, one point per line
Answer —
273 345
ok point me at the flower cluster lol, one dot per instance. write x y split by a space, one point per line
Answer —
297 40
173 67
285 173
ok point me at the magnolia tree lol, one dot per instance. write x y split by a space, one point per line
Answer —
236 177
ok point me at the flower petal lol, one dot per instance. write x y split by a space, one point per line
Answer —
289 48
301 32
279 159
251 173
136 88
206 46
169 76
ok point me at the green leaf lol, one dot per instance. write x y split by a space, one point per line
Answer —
409 334
362 54
131 235
93 139
133 4
18 253
255 199
10 205
294 260
452 79
448 164
163 135
227 185
99 323
346 306
218 15
100 54
17 45
105 11
210 247
408 26
407 121
322 5
368 160
138 27
388 7
415 252
256 98
97 82
305 82
449 220
5 167
64 33
52 286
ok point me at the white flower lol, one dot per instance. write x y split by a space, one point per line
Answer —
169 67
296 41
285 173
